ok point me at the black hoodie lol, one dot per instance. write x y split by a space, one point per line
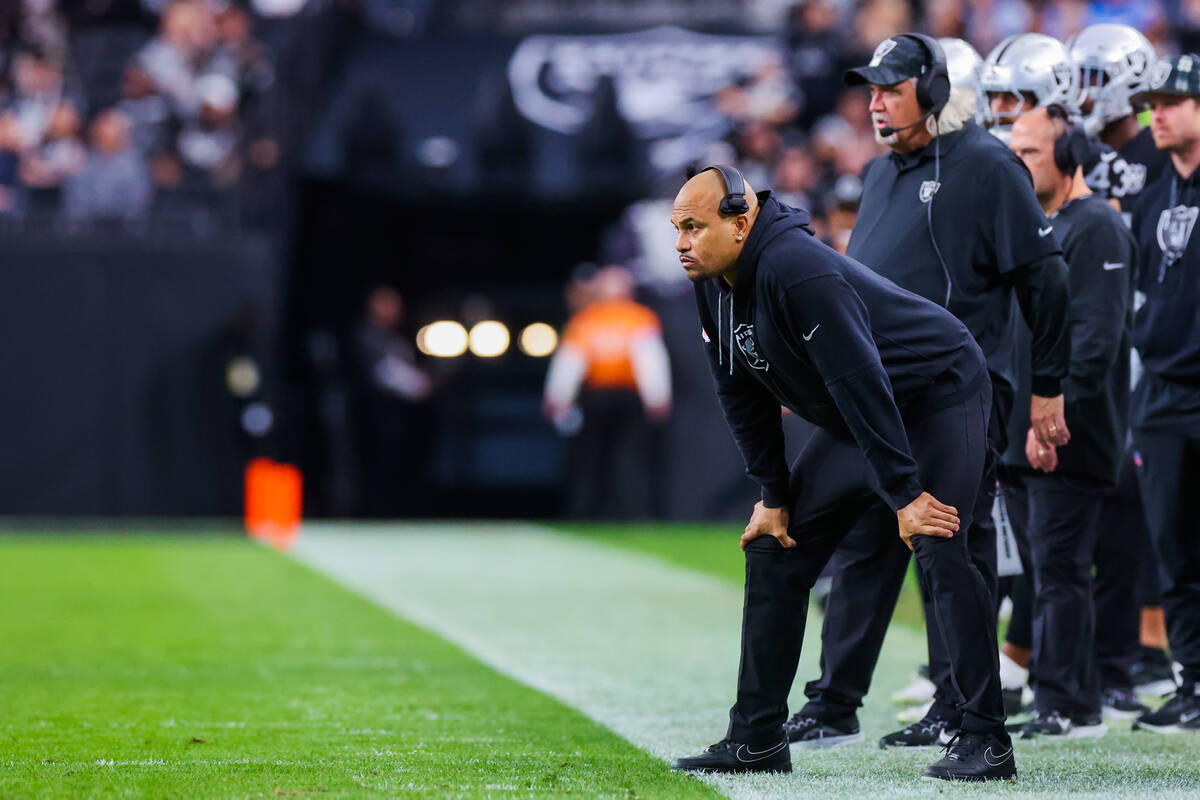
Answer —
842 347
1166 328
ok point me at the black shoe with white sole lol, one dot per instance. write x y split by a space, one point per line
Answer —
1057 725
1180 714
926 732
730 756
820 734
1122 704
975 757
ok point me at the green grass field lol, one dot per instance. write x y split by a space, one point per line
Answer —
206 666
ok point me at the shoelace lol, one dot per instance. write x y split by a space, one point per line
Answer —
962 746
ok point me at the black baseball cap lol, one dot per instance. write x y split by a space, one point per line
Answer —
896 59
1178 75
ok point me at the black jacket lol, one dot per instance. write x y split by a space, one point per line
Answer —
1166 328
1101 256
993 236
808 328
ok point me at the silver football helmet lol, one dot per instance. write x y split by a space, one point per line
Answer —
963 63
1034 68
1114 61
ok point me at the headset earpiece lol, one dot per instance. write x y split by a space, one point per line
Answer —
734 201
933 85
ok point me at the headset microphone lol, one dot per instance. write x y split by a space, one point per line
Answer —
887 130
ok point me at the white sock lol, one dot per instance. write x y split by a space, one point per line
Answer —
1012 674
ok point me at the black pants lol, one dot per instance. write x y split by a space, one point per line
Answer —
1064 519
611 475
868 574
833 493
1169 476
1122 548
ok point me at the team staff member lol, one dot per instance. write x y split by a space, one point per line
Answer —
1064 518
900 395
1165 412
950 214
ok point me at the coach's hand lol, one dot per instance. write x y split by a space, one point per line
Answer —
1040 456
1046 415
768 522
927 517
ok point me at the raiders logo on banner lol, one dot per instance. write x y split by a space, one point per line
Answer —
666 81
928 190
1175 229
744 334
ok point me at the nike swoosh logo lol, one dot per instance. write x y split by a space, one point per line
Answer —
765 754
1045 230
1186 718
987 756
810 333
1111 265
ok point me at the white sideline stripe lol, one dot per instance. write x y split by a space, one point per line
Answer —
648 649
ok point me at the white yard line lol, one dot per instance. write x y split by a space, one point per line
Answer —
648 649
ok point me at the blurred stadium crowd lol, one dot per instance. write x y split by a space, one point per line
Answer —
112 110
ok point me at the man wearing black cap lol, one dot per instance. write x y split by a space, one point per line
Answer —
899 393
951 215
1165 413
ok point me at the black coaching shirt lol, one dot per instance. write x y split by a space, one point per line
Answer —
1102 258
992 235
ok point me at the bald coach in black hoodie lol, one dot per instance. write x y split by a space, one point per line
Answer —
900 393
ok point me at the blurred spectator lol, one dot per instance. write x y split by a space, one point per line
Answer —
38 94
817 56
207 145
114 182
841 211
608 380
60 155
796 178
147 112
177 58
393 419
758 146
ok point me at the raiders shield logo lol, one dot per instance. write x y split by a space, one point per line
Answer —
1174 229
744 334
885 47
928 190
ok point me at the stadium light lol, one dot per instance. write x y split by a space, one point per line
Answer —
538 340
442 339
489 339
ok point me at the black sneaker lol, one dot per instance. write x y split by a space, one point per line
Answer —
1122 704
925 732
1180 714
975 757
729 756
822 734
1057 725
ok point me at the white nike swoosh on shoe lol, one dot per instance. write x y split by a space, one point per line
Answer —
987 757
759 756
1109 266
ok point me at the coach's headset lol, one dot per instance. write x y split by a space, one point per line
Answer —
734 201
1071 149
